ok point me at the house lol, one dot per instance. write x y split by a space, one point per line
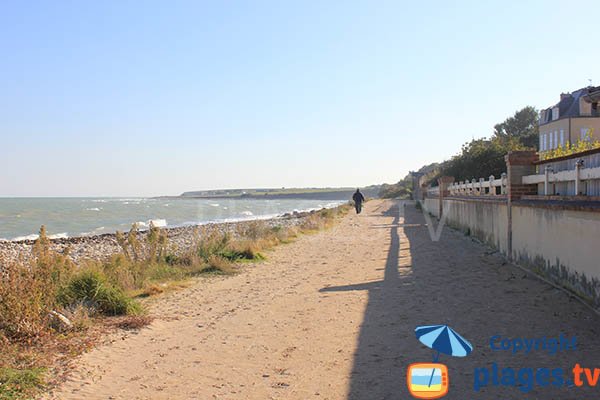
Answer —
575 117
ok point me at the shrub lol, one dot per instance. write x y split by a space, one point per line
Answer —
312 223
91 288
253 230
18 383
244 250
211 243
217 263
120 270
23 303
28 290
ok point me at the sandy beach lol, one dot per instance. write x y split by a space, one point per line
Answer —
332 316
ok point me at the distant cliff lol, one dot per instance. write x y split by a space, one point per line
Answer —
312 193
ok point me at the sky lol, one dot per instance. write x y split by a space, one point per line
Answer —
144 98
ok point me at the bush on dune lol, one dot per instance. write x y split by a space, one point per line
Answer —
33 292
93 289
28 290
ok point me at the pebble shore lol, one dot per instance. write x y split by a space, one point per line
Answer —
102 247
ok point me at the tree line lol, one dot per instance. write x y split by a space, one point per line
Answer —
479 157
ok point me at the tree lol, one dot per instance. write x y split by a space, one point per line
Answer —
522 126
404 188
481 158
401 189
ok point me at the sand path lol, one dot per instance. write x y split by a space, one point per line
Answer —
332 316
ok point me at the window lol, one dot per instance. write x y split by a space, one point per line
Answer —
555 139
550 146
545 142
562 138
542 148
585 134
543 137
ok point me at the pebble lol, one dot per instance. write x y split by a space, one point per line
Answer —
102 247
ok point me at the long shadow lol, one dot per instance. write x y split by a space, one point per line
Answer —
378 362
459 282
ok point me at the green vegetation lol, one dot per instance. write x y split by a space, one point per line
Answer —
481 158
92 288
521 129
478 158
16 384
308 193
36 295
401 189
404 188
589 142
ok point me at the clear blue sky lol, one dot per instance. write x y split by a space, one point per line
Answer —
149 98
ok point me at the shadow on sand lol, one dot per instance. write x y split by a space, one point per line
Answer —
379 362
456 282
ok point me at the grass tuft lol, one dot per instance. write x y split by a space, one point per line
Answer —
32 291
18 384
93 289
134 322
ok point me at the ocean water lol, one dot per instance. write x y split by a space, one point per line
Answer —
21 218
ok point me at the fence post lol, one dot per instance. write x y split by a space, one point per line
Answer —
518 164
444 182
416 182
578 166
492 187
547 172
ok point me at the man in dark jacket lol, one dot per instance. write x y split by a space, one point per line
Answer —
358 200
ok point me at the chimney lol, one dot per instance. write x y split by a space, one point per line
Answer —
564 96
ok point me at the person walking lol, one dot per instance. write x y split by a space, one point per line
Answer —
358 200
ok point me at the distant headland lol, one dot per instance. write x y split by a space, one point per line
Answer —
281 193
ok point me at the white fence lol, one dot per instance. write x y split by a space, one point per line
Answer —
433 192
580 181
481 187
559 178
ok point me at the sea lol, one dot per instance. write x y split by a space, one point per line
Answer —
21 218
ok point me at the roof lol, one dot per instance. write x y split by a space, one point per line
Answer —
568 106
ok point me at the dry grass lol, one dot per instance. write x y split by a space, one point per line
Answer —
32 345
27 367
153 290
133 322
219 264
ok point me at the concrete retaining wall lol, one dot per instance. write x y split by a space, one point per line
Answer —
563 245
560 244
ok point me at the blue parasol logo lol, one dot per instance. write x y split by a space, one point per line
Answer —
443 339
431 380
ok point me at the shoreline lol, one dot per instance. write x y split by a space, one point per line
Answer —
105 225
103 246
